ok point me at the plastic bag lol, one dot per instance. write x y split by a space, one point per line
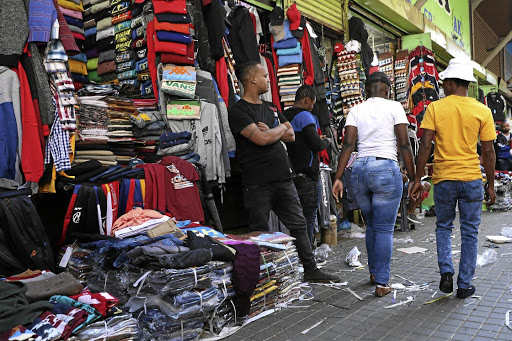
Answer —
322 252
406 240
506 231
353 257
488 257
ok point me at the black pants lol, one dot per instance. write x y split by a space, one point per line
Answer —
282 198
504 165
308 191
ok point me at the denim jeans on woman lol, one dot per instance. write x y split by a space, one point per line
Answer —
377 186
469 195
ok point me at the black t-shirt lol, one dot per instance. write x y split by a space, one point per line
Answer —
259 164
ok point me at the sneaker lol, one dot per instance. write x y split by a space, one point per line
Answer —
319 276
382 290
464 293
446 283
413 219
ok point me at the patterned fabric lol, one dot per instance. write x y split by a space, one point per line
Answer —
57 146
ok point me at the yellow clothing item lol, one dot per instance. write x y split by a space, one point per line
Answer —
458 122
71 5
143 189
77 67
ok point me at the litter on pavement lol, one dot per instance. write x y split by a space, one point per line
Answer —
412 250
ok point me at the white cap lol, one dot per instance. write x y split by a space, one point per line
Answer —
460 68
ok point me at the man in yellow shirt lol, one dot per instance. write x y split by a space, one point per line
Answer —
457 122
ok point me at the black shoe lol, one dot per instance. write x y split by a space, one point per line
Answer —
318 276
446 283
464 293
413 219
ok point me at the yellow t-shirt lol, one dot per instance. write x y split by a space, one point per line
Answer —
458 122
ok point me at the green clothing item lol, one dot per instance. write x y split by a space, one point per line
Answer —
14 307
93 76
92 64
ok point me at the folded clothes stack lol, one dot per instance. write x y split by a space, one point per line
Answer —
92 116
104 42
51 307
141 14
176 143
171 32
90 32
119 112
289 80
74 15
121 12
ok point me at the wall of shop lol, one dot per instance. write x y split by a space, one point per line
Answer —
484 40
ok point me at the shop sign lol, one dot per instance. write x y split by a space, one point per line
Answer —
451 17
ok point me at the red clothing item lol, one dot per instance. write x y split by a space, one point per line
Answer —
221 76
102 301
156 187
170 47
65 35
69 214
273 84
151 35
32 160
171 58
323 155
183 200
309 72
175 6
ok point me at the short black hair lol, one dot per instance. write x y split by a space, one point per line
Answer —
459 82
377 77
305 91
245 71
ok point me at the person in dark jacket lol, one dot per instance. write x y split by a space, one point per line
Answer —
303 153
503 148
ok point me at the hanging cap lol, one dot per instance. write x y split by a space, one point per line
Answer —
299 32
277 16
294 16
339 47
378 77
460 68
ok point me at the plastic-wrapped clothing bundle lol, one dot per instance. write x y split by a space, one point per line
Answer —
157 326
117 327
175 261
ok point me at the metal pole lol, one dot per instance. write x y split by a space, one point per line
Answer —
497 49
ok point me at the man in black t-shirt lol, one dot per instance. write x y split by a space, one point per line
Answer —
259 130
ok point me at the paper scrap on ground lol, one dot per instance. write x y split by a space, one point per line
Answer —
353 293
305 331
454 252
398 286
409 299
412 250
499 239
507 319
439 298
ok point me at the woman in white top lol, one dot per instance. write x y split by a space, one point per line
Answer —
376 180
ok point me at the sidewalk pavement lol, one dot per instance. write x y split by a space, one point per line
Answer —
344 317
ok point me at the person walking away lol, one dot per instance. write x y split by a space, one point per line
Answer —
457 121
259 130
303 153
503 148
379 125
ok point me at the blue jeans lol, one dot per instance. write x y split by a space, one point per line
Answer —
377 186
469 195
308 191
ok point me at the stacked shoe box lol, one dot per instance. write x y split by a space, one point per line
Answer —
386 65
401 78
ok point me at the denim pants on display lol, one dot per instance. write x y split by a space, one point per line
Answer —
308 190
282 198
469 195
377 186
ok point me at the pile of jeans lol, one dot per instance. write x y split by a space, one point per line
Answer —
224 314
173 291
79 264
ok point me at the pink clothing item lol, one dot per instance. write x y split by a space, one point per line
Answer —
71 13
135 217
